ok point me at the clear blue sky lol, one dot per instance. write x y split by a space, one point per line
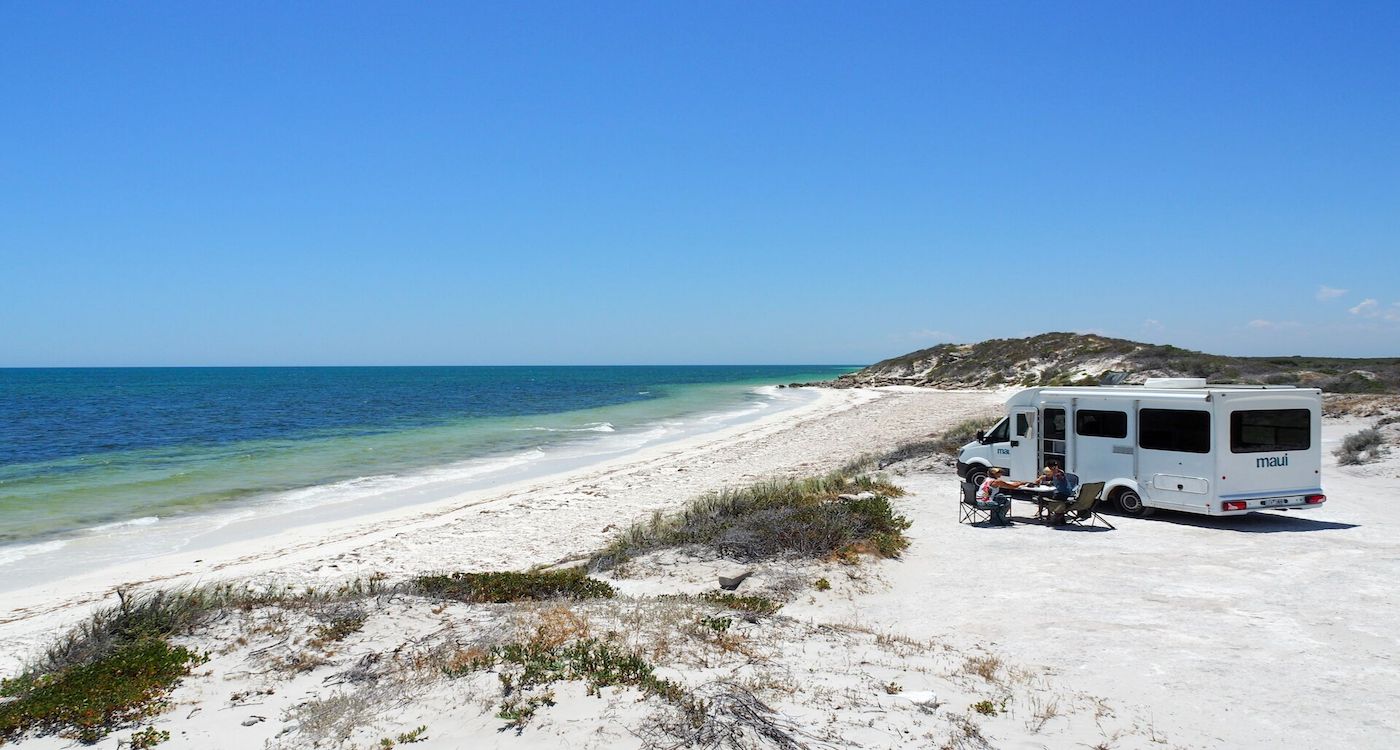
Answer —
663 182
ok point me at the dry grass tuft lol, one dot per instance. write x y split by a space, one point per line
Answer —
986 666
802 517
1042 712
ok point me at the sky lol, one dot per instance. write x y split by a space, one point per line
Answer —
691 182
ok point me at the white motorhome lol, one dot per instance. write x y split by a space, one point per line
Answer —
1173 443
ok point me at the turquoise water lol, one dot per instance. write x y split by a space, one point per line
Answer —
86 448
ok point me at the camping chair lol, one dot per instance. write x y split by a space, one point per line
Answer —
1081 508
968 509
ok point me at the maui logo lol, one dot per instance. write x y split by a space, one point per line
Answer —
1264 463
1003 451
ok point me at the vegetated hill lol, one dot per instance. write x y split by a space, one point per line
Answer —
1089 359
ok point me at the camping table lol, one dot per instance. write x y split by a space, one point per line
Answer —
1038 495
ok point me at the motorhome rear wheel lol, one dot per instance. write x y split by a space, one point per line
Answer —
1131 504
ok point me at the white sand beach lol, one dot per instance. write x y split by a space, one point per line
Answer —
517 525
1264 631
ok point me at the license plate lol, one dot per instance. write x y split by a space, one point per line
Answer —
1275 501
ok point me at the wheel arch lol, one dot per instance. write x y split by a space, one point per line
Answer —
1113 487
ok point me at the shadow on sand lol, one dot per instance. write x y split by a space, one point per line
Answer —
1254 523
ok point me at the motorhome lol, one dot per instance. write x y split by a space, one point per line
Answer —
1172 443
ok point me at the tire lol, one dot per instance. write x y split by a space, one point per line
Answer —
1130 502
976 475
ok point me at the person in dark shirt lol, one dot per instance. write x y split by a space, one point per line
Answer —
1064 490
1060 480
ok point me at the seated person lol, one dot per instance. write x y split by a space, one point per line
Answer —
989 499
1064 492
1064 488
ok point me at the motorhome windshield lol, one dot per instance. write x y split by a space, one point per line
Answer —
999 434
1270 430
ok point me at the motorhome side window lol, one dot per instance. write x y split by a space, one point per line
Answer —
1180 430
1109 424
1270 430
999 433
1023 425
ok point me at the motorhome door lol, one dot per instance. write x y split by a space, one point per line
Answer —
1024 463
1052 436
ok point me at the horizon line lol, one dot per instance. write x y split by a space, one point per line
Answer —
303 366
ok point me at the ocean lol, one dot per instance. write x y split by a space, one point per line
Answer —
114 454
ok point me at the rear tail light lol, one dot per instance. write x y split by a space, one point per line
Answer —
1315 499
1234 505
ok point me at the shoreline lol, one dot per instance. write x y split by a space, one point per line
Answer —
47 558
536 520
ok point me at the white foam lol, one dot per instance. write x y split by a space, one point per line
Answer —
143 521
14 554
590 427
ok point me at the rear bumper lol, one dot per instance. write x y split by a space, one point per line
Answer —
1274 502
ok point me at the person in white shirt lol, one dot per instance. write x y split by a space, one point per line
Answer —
989 499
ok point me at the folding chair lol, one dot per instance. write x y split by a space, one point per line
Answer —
1081 508
968 509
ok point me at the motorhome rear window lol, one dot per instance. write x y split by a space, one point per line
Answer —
1178 430
1270 430
1109 424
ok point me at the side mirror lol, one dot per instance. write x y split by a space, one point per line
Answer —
981 437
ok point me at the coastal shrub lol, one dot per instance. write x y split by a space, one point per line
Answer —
135 618
148 738
511 586
804 517
405 738
985 707
115 667
536 663
162 613
1359 447
759 605
338 626
87 701
1356 382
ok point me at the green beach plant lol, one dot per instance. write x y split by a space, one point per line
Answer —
88 701
758 605
512 586
540 662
